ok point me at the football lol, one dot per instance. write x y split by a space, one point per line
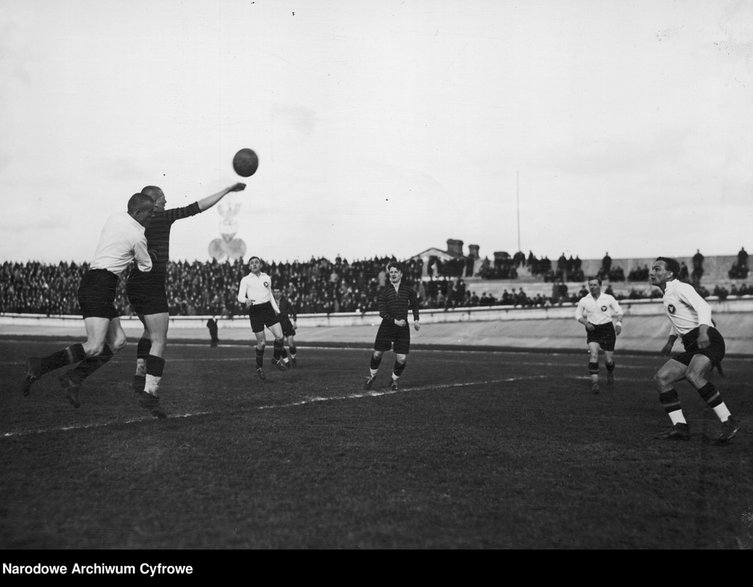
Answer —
245 162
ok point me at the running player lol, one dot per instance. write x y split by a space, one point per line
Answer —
148 297
690 319
596 311
255 292
121 241
394 300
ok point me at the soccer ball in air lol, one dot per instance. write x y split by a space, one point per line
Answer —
245 162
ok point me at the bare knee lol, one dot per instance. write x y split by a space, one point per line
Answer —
92 349
696 380
662 381
118 344
157 348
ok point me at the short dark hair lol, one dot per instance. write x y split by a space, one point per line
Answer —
594 278
671 264
139 202
152 191
395 265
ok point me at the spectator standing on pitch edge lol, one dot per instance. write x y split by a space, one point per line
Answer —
690 318
742 258
255 291
212 326
148 297
288 319
596 311
394 301
606 265
121 241
697 273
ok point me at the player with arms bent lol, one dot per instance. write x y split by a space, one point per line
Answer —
393 302
595 311
690 318
255 292
148 297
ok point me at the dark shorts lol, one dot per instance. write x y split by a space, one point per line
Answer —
96 294
390 336
262 315
146 298
715 351
604 335
287 325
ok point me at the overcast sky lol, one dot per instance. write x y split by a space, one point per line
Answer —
576 126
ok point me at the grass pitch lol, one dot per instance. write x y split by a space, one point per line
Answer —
477 450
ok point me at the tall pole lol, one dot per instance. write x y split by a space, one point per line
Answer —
517 197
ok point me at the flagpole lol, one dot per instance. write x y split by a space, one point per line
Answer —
517 196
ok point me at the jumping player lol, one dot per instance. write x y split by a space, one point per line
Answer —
255 292
596 311
121 241
148 297
394 300
690 319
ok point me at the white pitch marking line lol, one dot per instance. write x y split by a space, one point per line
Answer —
309 400
314 399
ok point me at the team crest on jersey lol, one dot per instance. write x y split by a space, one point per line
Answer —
603 308
671 309
266 284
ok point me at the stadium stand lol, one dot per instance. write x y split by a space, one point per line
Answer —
444 279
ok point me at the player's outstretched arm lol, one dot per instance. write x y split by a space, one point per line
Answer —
209 201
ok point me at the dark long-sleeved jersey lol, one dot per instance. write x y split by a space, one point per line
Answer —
394 305
158 240
287 308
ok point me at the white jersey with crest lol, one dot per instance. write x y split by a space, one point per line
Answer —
598 311
685 308
257 289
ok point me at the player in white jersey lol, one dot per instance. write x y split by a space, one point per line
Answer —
690 318
121 241
595 311
255 291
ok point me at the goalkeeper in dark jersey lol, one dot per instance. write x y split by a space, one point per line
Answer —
148 297
394 301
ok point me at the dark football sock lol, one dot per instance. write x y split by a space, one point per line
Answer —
143 347
68 356
90 364
155 366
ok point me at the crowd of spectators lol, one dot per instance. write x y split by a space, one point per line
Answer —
211 287
505 266
320 285
39 288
